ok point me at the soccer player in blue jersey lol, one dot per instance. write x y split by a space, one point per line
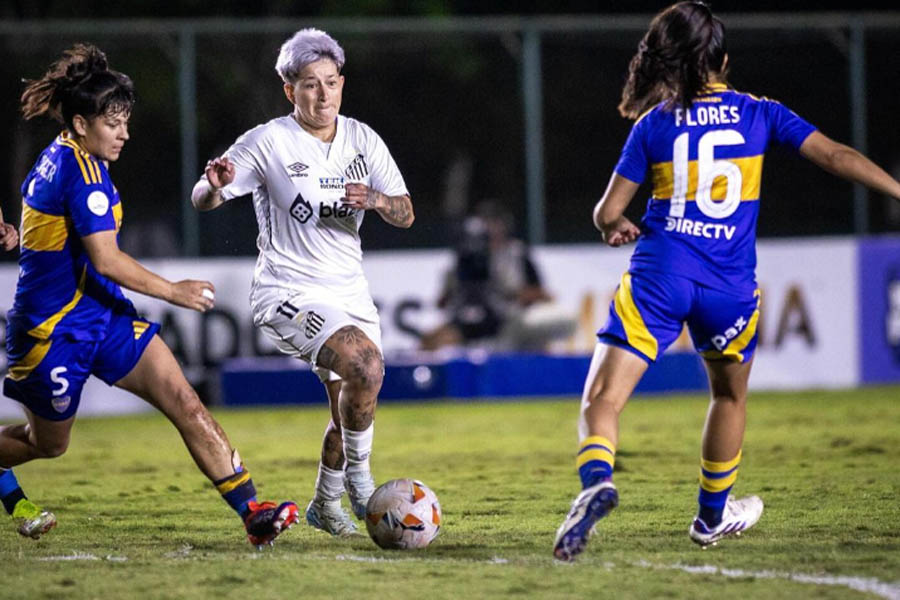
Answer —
70 319
702 144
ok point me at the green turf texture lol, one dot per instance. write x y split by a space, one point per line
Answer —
138 520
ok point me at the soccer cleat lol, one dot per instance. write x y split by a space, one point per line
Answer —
738 515
33 522
360 487
591 505
333 519
266 520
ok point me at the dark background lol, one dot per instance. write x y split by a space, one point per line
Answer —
449 107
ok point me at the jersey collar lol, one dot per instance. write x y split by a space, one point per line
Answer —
66 139
712 88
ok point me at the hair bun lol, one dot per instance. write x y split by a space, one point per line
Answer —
84 60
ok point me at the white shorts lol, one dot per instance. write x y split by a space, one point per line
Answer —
300 326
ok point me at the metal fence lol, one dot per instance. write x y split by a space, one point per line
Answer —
521 110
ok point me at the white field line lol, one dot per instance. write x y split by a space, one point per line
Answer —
890 591
82 556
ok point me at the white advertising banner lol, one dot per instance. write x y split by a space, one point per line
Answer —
807 331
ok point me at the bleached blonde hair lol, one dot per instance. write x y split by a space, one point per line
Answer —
305 47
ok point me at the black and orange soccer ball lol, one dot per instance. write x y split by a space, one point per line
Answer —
403 514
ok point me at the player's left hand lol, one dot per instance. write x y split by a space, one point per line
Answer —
360 196
621 232
9 236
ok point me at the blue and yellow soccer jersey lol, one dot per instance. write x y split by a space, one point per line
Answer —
66 196
706 165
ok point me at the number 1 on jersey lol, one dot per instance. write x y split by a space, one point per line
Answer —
708 170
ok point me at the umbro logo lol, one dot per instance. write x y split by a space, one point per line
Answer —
298 169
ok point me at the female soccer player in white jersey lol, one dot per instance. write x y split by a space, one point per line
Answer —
695 257
70 319
313 174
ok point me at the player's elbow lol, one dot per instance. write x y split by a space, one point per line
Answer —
106 263
604 217
409 220
202 196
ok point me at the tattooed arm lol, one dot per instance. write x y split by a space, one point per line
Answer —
396 210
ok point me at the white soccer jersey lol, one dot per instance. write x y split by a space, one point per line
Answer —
308 241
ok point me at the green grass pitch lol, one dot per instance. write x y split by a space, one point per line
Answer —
138 520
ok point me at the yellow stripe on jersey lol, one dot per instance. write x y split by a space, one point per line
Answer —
23 369
117 215
751 175
635 330
43 232
44 330
84 162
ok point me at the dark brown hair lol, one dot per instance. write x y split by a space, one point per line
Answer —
79 83
684 44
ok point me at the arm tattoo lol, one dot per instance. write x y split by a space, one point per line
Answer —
398 211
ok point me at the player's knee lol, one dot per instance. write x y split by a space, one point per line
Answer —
367 369
730 398
51 448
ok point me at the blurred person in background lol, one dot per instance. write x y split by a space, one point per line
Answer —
313 174
70 319
695 257
494 294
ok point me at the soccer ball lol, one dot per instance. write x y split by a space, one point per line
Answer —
403 514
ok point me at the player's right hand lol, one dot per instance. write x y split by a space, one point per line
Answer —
189 293
9 236
621 232
219 172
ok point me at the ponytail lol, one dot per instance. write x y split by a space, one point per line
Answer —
684 43
79 83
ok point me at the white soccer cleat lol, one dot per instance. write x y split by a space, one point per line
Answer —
738 516
360 486
330 518
591 505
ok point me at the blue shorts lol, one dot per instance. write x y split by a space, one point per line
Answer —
650 310
48 375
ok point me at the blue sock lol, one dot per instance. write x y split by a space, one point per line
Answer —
238 491
10 492
716 481
596 457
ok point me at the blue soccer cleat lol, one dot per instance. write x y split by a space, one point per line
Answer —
591 505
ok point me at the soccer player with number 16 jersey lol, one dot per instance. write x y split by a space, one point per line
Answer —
702 144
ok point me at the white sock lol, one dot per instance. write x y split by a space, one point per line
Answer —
329 485
357 448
